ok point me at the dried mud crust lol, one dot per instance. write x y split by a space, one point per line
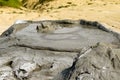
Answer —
99 62
75 50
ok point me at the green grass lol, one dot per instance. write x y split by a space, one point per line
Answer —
11 3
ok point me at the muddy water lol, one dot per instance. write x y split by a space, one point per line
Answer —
69 38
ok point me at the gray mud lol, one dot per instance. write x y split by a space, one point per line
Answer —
28 54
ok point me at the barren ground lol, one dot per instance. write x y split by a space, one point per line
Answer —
104 11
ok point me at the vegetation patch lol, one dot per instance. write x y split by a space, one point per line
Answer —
11 3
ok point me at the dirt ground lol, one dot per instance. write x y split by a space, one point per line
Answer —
104 11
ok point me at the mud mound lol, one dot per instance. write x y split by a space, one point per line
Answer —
98 63
41 49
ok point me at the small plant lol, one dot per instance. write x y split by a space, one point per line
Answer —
90 3
69 2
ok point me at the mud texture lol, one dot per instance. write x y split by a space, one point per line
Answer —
59 50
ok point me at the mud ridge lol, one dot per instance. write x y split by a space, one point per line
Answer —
94 24
44 48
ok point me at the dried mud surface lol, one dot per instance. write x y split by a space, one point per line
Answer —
76 50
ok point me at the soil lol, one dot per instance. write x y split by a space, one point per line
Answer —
104 11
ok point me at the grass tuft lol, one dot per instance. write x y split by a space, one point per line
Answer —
11 3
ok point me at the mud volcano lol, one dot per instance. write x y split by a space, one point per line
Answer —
59 50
